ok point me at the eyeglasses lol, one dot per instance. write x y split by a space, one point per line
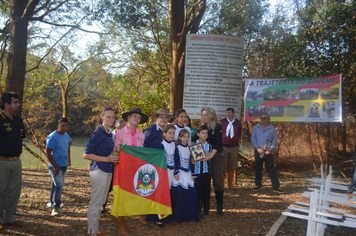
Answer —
264 118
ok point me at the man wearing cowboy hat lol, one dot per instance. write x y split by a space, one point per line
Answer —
153 134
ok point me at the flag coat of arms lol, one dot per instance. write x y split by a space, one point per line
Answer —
140 183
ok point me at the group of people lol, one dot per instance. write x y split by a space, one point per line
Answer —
189 180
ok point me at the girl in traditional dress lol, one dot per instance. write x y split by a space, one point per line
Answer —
183 193
182 120
169 147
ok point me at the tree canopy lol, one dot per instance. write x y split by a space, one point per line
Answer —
69 55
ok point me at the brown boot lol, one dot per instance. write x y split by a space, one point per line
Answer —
121 226
230 175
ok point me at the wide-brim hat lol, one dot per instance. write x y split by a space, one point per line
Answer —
135 110
162 112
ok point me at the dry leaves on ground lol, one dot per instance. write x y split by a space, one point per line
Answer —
246 212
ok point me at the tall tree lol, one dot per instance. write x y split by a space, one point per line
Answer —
183 17
20 15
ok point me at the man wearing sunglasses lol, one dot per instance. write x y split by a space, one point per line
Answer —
264 141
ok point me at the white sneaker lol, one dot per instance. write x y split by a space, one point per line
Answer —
54 211
49 204
19 213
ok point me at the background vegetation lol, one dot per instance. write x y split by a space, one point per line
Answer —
80 56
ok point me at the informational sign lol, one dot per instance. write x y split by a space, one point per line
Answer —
213 72
313 99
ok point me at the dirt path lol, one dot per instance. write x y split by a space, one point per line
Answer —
245 211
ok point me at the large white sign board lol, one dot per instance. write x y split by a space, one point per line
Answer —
213 74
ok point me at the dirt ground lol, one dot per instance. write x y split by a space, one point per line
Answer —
246 212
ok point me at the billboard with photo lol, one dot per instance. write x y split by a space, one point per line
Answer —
313 99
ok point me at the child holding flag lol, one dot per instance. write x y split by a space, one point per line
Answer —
183 192
130 135
201 171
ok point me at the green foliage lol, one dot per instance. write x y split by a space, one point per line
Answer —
236 17
130 92
325 43
128 14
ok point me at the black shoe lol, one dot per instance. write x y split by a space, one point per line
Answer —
219 210
256 188
201 217
103 210
278 190
219 202
351 190
206 205
159 224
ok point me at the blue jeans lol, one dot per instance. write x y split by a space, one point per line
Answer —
57 186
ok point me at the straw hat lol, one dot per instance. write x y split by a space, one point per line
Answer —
162 112
135 110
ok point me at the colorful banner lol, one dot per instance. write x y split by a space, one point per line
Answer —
313 99
140 183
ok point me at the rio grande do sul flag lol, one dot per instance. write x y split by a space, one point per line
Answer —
140 183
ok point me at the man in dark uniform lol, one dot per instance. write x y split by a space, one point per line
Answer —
232 129
153 139
12 132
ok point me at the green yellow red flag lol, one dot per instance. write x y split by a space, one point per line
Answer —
140 183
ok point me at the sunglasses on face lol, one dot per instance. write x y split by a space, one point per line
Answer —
263 118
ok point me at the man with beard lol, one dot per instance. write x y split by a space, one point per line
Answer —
12 132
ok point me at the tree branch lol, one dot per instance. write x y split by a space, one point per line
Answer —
68 25
29 10
49 51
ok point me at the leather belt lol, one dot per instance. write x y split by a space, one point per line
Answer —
230 145
15 158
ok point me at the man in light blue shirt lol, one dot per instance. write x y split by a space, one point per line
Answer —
264 141
58 155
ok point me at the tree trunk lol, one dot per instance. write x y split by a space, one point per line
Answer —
327 146
65 104
320 147
344 153
64 90
311 145
20 14
178 29
176 24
